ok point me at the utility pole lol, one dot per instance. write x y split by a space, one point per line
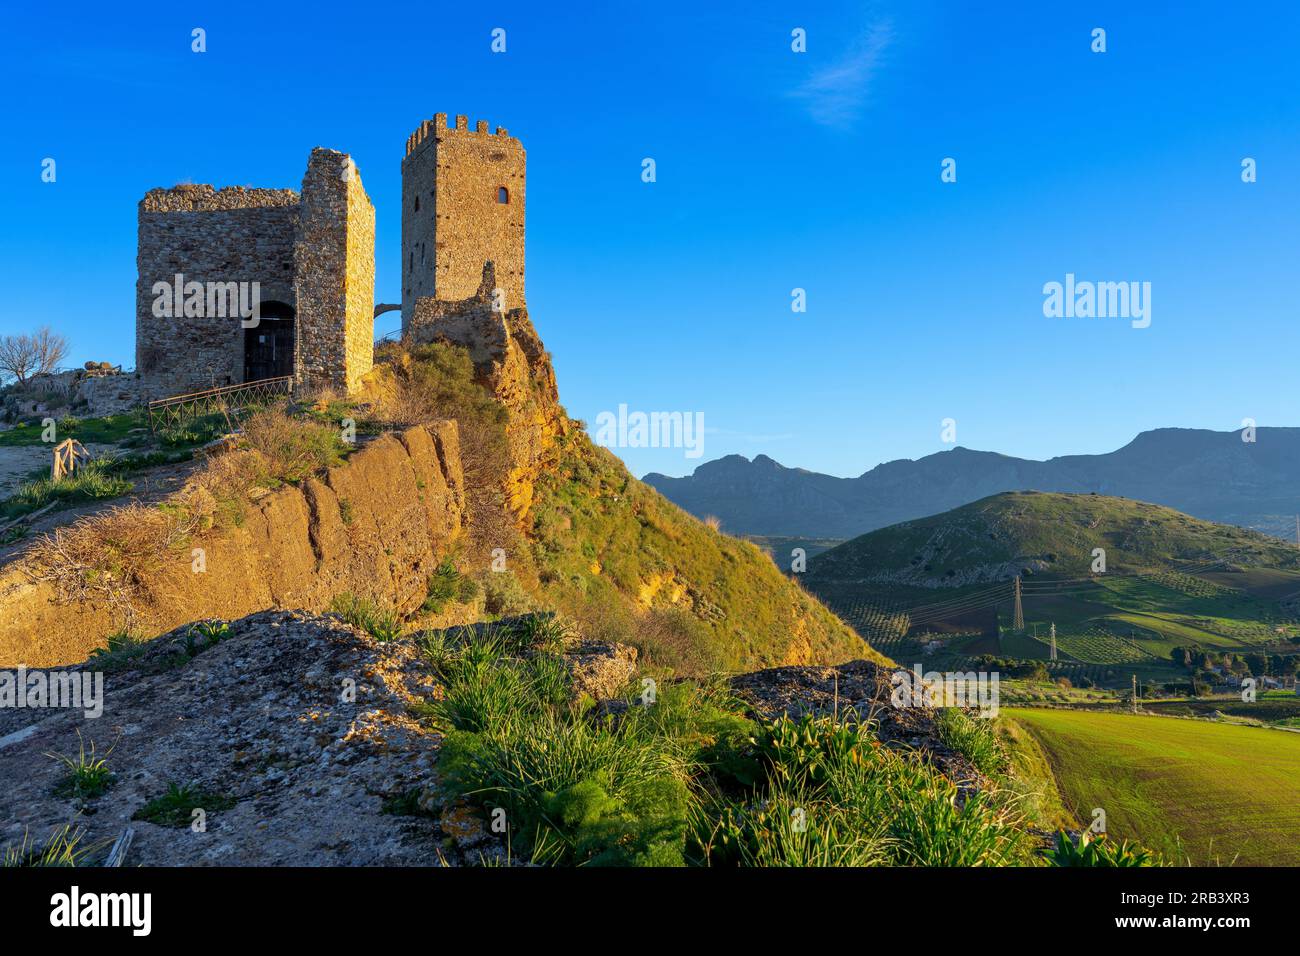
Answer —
1053 640
1019 622
1135 693
1297 530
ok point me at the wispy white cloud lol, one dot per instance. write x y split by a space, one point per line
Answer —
836 94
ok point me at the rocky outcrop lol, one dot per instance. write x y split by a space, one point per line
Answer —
377 525
301 739
600 669
511 361
858 687
290 732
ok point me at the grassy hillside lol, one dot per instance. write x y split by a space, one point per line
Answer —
607 550
1191 789
1046 534
629 564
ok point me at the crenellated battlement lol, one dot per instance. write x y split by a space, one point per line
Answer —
463 199
460 124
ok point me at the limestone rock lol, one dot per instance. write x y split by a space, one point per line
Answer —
298 722
600 669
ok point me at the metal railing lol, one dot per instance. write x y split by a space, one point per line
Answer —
177 409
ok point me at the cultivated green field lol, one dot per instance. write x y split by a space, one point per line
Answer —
1229 792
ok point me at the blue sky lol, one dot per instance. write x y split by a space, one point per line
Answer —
775 170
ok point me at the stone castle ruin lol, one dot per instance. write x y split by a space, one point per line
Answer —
308 259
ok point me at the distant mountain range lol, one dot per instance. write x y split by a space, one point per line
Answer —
1208 474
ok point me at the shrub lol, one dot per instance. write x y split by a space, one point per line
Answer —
113 556
447 584
676 640
291 448
122 650
503 594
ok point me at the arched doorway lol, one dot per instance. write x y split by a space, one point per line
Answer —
268 346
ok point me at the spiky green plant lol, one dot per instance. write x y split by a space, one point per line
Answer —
1098 851
88 775
63 847
381 623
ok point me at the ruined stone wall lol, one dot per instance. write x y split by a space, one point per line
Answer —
376 526
207 235
335 275
452 221
359 334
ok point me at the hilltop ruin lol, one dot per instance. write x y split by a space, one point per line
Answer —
242 284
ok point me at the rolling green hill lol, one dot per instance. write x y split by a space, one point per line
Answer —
1041 533
1170 581
629 564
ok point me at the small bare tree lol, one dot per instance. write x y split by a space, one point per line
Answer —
51 349
17 357
22 356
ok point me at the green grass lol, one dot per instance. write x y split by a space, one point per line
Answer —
1190 789
108 430
620 558
63 847
381 623
176 807
94 481
975 738
689 779
88 775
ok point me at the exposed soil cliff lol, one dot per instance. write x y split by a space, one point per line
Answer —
376 525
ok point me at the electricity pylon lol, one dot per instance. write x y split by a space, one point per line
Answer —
1018 623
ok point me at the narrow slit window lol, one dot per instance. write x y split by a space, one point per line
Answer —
503 195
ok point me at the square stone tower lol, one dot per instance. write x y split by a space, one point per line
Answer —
462 205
